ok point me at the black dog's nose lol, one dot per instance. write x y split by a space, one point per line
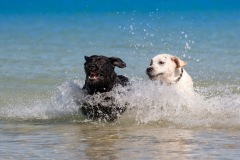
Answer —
149 70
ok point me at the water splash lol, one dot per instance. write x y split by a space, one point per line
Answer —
60 105
148 102
156 103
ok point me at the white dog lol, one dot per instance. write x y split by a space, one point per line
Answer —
168 69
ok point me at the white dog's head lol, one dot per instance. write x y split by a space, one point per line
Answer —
165 67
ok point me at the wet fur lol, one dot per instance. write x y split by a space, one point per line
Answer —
101 78
168 69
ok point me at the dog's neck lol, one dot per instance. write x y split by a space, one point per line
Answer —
180 76
100 88
173 80
116 80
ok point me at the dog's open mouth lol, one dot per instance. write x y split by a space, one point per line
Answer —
93 76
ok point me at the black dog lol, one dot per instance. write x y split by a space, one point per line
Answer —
101 78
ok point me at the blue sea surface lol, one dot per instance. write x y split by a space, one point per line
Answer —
98 6
42 49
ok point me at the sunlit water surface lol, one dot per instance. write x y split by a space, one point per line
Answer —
41 62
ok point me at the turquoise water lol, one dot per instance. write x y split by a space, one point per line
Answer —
42 48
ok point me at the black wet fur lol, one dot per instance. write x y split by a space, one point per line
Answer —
102 69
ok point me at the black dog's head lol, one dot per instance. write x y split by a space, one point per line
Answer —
100 75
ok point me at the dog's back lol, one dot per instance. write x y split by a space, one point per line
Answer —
122 80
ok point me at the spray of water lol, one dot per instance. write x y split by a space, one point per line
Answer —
147 102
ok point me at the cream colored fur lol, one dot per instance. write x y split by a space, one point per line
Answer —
169 70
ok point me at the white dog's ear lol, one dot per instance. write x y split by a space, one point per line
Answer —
179 62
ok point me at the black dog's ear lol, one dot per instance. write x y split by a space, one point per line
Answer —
117 62
86 58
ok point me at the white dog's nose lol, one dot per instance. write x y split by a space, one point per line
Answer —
149 70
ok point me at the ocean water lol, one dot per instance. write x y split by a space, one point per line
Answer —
42 49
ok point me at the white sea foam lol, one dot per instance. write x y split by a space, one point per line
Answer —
60 105
148 102
151 102
156 103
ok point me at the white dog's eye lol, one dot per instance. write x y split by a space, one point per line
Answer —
161 62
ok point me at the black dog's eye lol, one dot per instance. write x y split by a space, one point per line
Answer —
161 62
100 61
